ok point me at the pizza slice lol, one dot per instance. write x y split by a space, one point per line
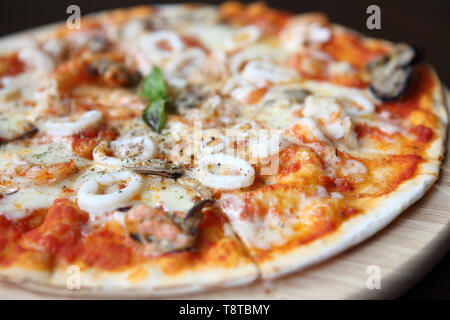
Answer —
165 240
383 92
317 205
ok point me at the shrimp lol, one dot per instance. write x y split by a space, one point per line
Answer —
160 231
155 229
45 175
306 31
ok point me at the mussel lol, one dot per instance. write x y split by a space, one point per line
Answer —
114 73
160 231
98 43
159 168
192 96
297 94
391 74
194 217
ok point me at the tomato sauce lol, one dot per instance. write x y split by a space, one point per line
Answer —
84 142
350 80
194 42
107 249
363 130
252 207
422 86
12 230
351 48
410 163
60 232
317 232
317 70
270 20
10 65
423 133
255 95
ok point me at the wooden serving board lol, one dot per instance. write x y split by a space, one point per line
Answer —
404 252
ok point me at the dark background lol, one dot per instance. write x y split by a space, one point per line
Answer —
423 23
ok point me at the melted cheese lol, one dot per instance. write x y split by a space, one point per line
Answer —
23 202
212 36
13 124
43 154
284 218
277 116
353 168
170 195
29 196
257 232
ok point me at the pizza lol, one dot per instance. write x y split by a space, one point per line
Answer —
159 150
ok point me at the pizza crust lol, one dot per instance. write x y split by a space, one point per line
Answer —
96 283
437 148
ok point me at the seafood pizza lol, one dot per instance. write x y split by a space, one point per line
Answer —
159 150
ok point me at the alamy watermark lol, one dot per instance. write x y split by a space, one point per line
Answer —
374 279
74 20
74 277
374 20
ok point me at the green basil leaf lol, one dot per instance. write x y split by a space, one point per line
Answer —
155 114
153 86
